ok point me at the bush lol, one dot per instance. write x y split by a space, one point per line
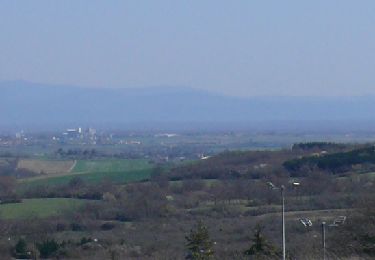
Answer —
107 226
21 249
60 227
48 248
10 201
85 240
77 227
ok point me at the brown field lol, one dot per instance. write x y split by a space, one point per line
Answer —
46 167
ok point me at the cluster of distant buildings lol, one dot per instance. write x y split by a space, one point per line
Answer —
88 135
17 139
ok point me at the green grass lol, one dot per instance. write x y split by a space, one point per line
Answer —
95 177
39 208
113 165
94 171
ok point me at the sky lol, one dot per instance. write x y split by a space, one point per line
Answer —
240 48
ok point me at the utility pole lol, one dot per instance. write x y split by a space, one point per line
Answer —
283 218
282 189
324 239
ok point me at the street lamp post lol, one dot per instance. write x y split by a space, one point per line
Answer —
283 218
324 239
282 189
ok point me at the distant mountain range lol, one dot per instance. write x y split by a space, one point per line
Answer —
31 105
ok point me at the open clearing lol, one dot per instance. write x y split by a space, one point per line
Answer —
94 171
39 208
111 165
95 177
117 177
46 166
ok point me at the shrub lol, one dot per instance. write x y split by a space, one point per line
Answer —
21 249
107 226
85 240
48 248
77 227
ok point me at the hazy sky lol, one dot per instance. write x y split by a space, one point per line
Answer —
240 47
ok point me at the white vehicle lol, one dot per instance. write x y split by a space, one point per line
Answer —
306 222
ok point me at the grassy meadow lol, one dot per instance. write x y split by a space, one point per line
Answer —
109 165
39 208
95 177
94 171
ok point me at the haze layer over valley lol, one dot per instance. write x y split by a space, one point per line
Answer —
31 105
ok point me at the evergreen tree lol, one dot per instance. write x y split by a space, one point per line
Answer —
261 248
199 243
48 248
21 248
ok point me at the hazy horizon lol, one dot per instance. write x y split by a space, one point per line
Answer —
246 48
37 106
174 88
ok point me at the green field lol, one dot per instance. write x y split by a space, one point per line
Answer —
117 177
39 208
94 171
112 165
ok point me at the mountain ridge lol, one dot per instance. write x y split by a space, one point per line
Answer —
23 104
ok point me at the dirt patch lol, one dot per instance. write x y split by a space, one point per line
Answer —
46 166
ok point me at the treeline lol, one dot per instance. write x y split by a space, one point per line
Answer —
234 165
8 167
335 163
302 159
132 152
75 188
77 153
321 146
88 154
